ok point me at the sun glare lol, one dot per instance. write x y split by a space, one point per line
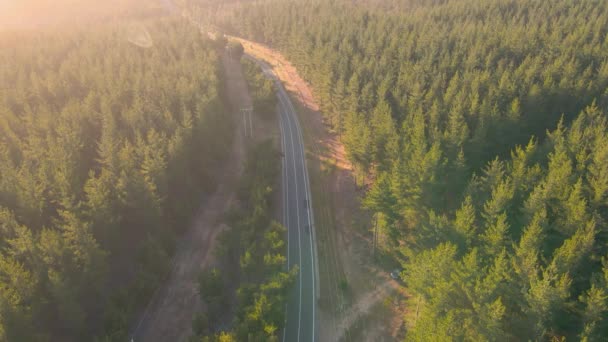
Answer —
18 14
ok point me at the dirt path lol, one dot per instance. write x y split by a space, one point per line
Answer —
170 313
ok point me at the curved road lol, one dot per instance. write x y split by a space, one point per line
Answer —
298 218
300 325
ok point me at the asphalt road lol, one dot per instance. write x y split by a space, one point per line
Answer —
300 324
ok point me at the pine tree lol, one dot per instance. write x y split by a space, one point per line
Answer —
568 257
17 298
496 235
465 223
526 263
383 135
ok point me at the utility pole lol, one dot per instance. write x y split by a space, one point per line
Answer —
417 310
375 235
250 111
247 121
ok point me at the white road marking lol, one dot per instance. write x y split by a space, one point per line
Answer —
310 224
298 130
285 189
285 186
250 111
295 171
301 148
244 122
290 115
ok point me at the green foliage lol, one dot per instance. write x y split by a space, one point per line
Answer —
214 295
343 285
255 246
532 271
261 90
200 324
482 126
481 90
105 149
236 49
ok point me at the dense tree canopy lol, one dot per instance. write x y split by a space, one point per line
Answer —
525 254
484 75
445 107
108 135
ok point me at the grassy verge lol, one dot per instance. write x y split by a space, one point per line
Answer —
333 296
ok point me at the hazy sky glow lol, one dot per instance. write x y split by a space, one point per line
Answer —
37 13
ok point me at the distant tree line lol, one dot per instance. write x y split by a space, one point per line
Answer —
485 75
444 107
106 150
